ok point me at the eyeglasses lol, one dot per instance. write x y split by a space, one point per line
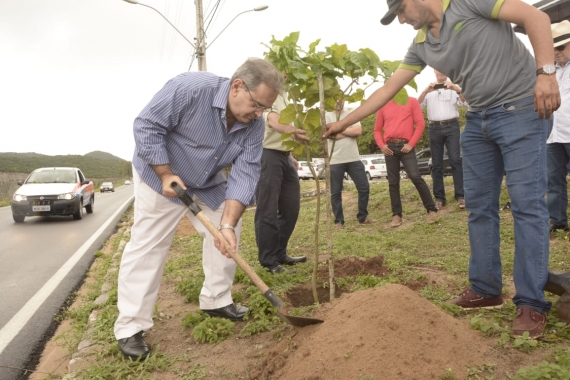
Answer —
561 47
258 106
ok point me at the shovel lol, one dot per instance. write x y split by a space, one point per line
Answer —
268 293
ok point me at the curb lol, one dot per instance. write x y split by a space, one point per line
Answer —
85 346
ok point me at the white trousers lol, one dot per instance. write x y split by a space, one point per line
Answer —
142 264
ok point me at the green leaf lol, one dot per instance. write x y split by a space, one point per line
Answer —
401 97
312 46
313 119
292 38
288 115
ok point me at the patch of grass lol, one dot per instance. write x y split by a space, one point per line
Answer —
191 320
114 367
557 368
213 330
190 288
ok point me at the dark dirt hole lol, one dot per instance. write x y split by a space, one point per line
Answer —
302 295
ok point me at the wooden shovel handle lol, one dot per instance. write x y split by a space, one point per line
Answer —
197 211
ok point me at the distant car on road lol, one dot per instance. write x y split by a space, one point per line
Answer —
53 191
127 182
107 186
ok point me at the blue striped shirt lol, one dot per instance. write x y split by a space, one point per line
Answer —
185 126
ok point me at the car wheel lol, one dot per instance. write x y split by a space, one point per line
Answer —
79 214
403 174
369 176
91 205
18 218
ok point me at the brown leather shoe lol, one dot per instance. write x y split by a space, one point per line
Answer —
471 300
461 203
368 221
439 204
432 217
527 319
396 221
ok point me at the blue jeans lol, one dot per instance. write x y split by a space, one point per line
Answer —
507 138
448 136
558 157
357 172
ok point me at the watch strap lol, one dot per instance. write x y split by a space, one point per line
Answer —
541 71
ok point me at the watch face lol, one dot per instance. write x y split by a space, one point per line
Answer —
549 69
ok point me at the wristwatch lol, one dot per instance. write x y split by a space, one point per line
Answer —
548 69
226 226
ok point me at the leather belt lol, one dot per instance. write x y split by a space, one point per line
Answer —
443 122
398 141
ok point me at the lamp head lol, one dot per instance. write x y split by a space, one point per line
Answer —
132 1
257 9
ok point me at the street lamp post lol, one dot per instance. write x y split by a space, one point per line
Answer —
200 47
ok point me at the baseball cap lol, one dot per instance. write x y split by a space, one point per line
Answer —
390 16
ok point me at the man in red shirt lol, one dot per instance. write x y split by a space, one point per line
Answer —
398 128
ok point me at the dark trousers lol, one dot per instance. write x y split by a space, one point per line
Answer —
357 172
448 136
410 163
278 203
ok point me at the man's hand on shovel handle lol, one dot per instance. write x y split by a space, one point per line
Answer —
230 237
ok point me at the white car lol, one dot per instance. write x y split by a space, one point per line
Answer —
375 167
304 171
53 191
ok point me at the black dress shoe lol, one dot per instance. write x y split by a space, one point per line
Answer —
280 270
232 312
293 260
135 347
555 227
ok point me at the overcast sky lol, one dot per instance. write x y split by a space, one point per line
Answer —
75 73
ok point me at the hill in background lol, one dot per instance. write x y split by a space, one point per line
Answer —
95 164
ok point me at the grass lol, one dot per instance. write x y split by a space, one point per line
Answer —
412 253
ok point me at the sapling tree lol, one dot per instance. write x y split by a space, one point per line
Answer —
316 80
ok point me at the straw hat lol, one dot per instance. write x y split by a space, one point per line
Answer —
561 33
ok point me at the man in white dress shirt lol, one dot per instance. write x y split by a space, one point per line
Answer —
558 143
442 98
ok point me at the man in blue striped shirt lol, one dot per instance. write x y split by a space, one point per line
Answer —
195 126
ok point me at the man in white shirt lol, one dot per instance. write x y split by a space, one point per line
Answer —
442 98
346 159
558 143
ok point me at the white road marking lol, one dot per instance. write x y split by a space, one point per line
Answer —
18 321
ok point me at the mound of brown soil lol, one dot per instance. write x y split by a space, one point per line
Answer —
383 333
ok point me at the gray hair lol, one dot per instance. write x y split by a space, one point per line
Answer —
256 71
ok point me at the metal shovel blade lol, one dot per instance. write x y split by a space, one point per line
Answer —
258 282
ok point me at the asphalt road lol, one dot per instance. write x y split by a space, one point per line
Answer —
42 261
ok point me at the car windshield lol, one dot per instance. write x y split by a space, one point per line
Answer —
378 161
106 184
52 176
